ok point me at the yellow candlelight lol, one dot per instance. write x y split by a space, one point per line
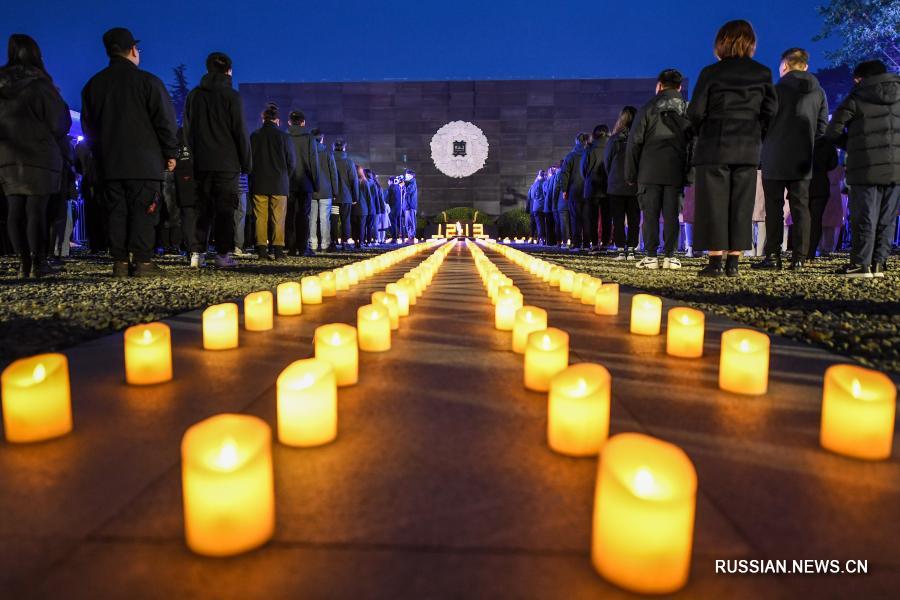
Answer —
328 283
227 482
589 289
373 325
546 354
36 398
311 289
220 327
858 409
410 285
528 320
307 403
402 295
353 274
646 314
288 296
744 362
336 343
578 410
555 275
258 311
148 354
505 312
606 300
684 333
389 302
566 281
644 507
341 279
577 283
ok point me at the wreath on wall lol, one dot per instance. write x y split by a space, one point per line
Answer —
459 149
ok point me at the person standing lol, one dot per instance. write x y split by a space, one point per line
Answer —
92 197
733 102
547 207
381 210
320 207
825 160
361 209
412 204
304 184
535 204
787 157
129 121
622 195
186 193
347 194
217 135
395 203
867 125
240 214
571 185
656 158
273 165
597 215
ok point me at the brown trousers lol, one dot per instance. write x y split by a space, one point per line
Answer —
270 212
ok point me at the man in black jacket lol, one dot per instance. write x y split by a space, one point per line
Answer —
656 159
594 173
217 135
129 121
867 125
787 157
412 204
320 207
347 193
571 185
304 184
535 206
273 165
395 203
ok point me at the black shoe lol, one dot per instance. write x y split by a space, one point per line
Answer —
25 266
731 265
263 253
772 262
713 269
120 269
39 266
332 248
853 271
879 270
797 264
309 252
279 253
148 269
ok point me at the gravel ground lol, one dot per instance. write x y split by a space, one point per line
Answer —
85 302
857 318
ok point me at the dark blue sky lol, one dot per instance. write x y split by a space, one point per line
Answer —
350 40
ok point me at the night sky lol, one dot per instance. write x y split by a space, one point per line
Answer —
352 40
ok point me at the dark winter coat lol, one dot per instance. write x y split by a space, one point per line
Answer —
825 159
185 185
557 201
214 127
327 172
867 125
733 103
614 163
787 152
364 207
547 195
34 122
593 169
571 179
394 198
129 122
306 176
273 161
347 181
412 194
377 197
536 196
657 148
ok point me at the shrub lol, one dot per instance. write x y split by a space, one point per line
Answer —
514 223
463 213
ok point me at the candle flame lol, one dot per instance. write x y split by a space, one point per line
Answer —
855 388
528 316
259 299
546 342
744 346
227 458
374 315
40 373
220 314
335 338
685 320
644 484
148 336
582 386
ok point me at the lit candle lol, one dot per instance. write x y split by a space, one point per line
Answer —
336 343
353 274
228 487
546 354
578 410
606 300
341 279
410 285
644 507
373 325
307 403
311 289
684 333
505 312
566 281
744 362
328 283
36 398
646 314
555 275
389 301
402 295
288 296
858 407
148 354
220 327
528 320
589 289
577 283
258 311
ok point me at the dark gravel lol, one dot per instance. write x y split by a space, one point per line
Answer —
855 318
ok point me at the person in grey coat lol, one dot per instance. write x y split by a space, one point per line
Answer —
304 184
347 192
320 207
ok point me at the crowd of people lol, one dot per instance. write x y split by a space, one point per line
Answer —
732 159
150 185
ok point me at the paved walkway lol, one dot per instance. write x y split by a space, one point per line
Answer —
440 483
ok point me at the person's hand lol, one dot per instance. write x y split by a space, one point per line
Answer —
170 164
565 195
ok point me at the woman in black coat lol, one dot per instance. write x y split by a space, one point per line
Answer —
623 201
733 102
34 122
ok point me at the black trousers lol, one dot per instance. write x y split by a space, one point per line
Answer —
817 206
358 223
798 199
57 217
873 222
575 224
334 222
95 218
370 229
563 226
132 206
549 228
605 218
590 208
723 207
537 220
346 223
217 195
27 224
625 211
296 221
195 240
655 200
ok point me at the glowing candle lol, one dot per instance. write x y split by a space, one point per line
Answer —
858 407
402 295
389 302
341 279
589 289
684 332
373 325
227 482
36 398
644 507
555 275
336 343
410 285
578 410
546 354
505 311
744 362
328 283
353 274
528 320
148 354
577 283
288 296
258 311
566 281
220 327
646 314
311 289
606 300
307 403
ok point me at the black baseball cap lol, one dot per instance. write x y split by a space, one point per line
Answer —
118 39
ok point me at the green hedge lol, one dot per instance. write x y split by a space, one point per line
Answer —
463 213
514 223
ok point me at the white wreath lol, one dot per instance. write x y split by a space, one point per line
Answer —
442 149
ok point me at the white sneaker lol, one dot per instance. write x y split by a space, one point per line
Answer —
620 256
688 252
629 255
648 262
198 261
224 261
671 263
239 251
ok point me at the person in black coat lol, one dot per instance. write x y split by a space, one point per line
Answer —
656 159
622 195
320 208
361 209
733 102
571 185
129 121
787 157
217 135
411 196
594 173
867 125
270 183
825 160
535 204
395 203
304 184
547 207
186 193
347 194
